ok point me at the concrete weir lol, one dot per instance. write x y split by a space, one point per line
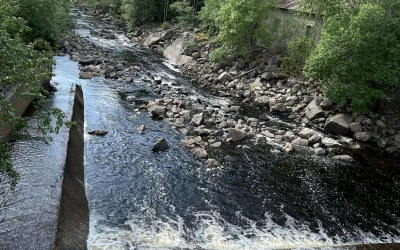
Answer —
48 207
73 221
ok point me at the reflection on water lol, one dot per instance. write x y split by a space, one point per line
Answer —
141 200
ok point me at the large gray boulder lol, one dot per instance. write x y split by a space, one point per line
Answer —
174 52
237 135
224 77
160 145
313 111
262 101
363 136
338 124
157 37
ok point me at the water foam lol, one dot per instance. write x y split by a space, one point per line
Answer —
213 232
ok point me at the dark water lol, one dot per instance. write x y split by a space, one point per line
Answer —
262 200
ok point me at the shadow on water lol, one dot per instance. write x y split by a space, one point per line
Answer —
260 200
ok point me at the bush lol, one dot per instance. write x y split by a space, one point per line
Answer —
299 50
358 58
242 26
47 19
166 26
184 13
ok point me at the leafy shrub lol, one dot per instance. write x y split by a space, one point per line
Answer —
190 44
299 50
358 58
166 26
184 13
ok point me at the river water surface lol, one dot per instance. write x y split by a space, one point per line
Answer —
263 200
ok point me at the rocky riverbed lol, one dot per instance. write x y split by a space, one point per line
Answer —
259 94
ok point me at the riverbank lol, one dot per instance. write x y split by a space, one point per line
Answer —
316 124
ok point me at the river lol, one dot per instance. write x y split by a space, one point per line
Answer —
169 200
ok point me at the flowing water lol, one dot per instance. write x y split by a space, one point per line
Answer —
169 200
141 200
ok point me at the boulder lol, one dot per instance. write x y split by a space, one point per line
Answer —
313 111
156 37
278 108
289 136
174 52
306 133
320 151
211 163
87 61
363 136
224 77
326 104
329 142
300 142
196 55
160 145
397 141
141 129
314 139
240 64
216 144
344 158
198 119
288 148
275 61
267 76
338 124
262 101
256 84
200 153
157 110
355 127
98 132
237 135
85 75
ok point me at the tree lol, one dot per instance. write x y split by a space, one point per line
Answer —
358 57
24 66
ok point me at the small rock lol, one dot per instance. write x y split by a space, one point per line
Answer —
289 136
355 127
198 119
320 151
344 158
326 104
262 101
216 144
85 75
160 145
212 163
288 148
237 135
314 139
224 77
339 124
306 133
313 111
229 158
278 108
329 142
363 136
267 76
300 142
199 152
141 129
98 132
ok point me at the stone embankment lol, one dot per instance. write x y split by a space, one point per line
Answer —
313 123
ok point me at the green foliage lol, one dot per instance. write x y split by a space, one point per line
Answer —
358 57
184 12
46 18
190 44
242 26
166 26
299 50
209 15
6 164
25 64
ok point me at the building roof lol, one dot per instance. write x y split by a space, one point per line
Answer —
289 4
